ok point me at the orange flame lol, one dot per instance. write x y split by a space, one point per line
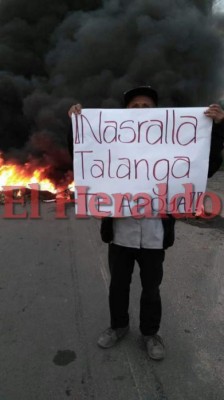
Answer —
23 175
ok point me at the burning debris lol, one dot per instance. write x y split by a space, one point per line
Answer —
28 195
18 175
18 178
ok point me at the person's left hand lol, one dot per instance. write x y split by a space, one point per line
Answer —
215 112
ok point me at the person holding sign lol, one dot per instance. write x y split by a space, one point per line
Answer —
145 241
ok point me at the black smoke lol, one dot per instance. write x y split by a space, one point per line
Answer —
53 54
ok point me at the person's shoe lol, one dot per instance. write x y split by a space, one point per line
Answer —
111 336
155 347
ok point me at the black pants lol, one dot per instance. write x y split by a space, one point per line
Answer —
121 264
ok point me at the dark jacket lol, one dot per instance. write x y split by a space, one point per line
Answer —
215 161
217 145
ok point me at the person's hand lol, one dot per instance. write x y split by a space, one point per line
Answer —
75 109
215 112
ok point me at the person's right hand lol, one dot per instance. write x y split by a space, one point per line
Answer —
75 109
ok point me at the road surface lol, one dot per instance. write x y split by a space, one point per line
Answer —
53 292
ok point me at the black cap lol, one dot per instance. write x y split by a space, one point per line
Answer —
140 91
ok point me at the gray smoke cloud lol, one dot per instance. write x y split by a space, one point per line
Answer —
53 54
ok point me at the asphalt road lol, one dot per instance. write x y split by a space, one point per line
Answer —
53 305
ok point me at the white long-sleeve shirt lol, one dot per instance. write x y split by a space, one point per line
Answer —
144 233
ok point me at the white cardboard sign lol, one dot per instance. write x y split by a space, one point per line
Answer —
118 151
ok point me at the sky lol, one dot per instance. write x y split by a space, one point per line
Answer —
219 5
